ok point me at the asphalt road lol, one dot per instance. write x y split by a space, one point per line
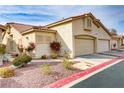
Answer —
112 77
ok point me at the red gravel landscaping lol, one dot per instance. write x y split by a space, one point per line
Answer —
31 76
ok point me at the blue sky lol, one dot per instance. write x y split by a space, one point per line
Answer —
110 16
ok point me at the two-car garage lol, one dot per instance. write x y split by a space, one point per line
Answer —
88 45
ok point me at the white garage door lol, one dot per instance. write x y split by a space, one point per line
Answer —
103 45
42 49
84 46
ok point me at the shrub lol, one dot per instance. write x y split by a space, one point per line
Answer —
44 57
21 60
45 69
67 64
55 46
6 72
54 56
2 49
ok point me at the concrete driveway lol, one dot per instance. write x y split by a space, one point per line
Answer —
118 52
95 58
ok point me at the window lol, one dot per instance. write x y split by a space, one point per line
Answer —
12 47
43 39
39 38
89 23
48 39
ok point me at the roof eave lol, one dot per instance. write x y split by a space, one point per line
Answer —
38 30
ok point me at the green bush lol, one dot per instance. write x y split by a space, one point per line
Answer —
54 56
44 57
45 69
6 72
67 64
21 60
2 49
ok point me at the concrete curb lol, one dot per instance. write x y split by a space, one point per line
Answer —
62 82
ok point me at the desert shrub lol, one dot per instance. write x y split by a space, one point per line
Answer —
46 70
21 60
66 54
67 64
54 56
6 72
2 49
44 57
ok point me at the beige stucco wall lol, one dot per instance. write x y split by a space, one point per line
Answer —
31 38
17 38
78 29
44 47
65 36
98 33
66 33
25 39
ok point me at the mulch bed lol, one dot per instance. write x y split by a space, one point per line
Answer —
31 76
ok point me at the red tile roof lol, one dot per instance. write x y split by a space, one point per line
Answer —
23 28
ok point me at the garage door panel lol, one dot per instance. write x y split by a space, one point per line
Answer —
84 46
103 46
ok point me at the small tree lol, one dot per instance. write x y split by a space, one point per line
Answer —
20 48
30 48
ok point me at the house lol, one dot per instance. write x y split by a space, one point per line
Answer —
81 35
2 32
116 40
23 34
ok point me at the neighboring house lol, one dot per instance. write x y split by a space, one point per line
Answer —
122 41
22 34
116 40
81 35
2 32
